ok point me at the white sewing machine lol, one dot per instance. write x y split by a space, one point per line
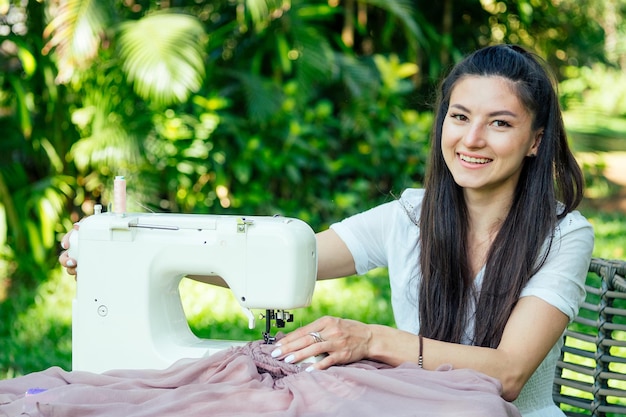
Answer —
127 312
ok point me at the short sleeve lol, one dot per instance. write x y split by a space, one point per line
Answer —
561 280
364 234
377 236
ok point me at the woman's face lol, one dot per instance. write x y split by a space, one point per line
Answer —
486 135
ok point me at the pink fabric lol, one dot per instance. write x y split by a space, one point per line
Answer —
246 381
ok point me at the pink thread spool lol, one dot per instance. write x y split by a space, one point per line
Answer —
119 195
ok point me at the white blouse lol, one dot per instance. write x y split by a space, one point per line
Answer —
388 236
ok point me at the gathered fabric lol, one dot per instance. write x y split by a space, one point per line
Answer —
247 381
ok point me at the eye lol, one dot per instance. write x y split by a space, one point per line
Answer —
459 117
501 123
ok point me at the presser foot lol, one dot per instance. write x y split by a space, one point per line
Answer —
268 338
280 317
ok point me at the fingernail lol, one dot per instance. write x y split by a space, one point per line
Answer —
290 358
70 263
276 353
309 369
277 344
63 244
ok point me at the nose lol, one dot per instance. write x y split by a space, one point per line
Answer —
474 135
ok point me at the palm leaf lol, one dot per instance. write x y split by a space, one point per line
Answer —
21 101
405 12
163 57
358 77
260 11
263 96
75 33
110 147
316 64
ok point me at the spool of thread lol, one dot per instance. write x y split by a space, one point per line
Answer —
119 195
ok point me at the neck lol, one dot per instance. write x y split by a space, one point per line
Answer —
486 213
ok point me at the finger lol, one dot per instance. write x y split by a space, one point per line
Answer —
68 263
305 354
296 335
316 326
65 241
284 348
300 348
325 363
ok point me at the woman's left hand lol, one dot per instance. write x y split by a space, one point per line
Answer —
344 341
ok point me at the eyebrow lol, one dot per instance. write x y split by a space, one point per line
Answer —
492 114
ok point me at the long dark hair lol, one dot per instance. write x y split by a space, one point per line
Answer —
518 249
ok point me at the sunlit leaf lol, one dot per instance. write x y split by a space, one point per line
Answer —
26 124
109 147
163 56
75 33
260 11
29 64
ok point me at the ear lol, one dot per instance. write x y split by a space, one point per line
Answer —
535 147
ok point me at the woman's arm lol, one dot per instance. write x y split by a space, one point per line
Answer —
533 328
334 259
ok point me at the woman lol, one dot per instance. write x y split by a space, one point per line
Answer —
487 263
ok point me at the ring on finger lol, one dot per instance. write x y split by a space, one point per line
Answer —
316 337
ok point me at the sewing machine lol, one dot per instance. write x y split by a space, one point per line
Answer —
127 312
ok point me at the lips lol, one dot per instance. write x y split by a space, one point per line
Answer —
474 160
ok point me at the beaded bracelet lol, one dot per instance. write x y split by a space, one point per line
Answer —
420 358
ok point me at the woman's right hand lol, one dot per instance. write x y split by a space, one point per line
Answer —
64 259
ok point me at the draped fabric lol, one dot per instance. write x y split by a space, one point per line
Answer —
247 381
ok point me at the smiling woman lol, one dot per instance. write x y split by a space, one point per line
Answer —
487 134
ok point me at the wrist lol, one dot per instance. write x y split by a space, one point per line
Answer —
377 348
392 346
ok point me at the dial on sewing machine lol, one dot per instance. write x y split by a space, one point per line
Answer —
127 311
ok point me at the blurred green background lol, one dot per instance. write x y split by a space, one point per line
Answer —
313 109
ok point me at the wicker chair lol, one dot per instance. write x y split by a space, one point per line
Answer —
590 378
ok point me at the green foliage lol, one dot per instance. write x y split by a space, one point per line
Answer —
610 232
38 334
267 133
595 102
164 66
306 108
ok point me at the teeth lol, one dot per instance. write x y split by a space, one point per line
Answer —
474 160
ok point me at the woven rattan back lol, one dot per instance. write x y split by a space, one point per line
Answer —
591 374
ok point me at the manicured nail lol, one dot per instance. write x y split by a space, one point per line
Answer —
290 358
70 263
276 353
63 244
310 369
